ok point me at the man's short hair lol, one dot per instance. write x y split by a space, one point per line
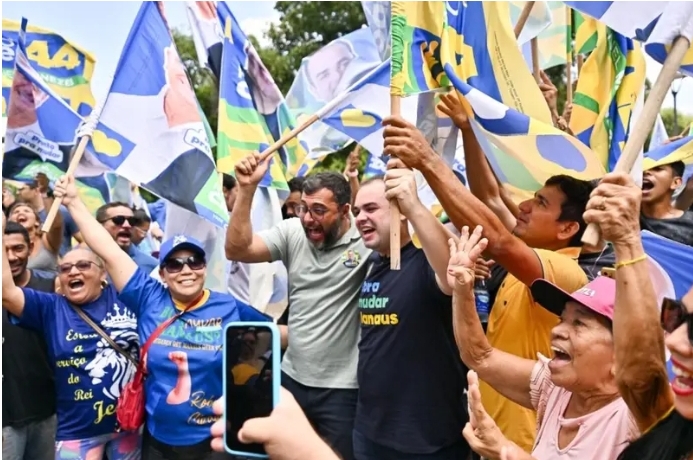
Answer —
141 215
228 181
577 194
332 181
677 168
296 184
370 180
13 228
101 212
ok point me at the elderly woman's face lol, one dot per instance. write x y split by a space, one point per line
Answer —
81 274
583 350
681 350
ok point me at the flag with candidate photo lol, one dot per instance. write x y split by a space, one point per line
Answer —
40 134
150 130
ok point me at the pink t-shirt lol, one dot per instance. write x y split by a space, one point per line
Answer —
602 435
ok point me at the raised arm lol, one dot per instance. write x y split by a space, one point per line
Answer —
118 263
12 295
481 179
405 142
638 338
351 171
400 185
508 374
242 245
53 238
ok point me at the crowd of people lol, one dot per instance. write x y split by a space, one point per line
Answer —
379 364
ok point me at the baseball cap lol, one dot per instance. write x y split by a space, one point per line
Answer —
178 242
598 295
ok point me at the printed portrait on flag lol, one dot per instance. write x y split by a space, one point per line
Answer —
327 68
264 91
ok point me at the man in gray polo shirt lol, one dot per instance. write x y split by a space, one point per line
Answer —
326 260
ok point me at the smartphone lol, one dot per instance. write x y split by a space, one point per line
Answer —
252 378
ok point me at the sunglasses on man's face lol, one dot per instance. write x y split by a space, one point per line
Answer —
81 266
674 313
176 264
120 220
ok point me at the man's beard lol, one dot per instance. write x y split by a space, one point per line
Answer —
331 234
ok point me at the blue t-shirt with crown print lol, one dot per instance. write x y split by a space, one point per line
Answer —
89 374
185 363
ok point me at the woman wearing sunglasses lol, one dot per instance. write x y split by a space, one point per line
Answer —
89 373
184 362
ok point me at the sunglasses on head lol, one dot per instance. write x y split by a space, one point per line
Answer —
120 220
673 315
82 266
176 264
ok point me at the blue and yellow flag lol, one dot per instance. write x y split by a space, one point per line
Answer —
586 35
680 150
65 67
610 82
150 130
40 132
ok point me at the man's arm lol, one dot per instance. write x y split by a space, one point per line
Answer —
405 142
12 296
242 245
401 185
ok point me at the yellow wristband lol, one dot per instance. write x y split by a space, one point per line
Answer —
631 261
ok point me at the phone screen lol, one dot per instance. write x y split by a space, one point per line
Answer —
248 392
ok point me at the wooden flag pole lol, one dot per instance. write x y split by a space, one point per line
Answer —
569 57
395 215
580 60
536 70
522 20
288 136
74 162
646 121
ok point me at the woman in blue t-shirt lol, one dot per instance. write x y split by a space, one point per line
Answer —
89 373
184 364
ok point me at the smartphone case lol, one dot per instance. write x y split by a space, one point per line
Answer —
276 374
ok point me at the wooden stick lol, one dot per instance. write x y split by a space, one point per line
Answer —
74 162
569 58
580 61
395 237
646 121
288 136
536 70
522 20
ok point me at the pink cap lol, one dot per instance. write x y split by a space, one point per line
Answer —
598 295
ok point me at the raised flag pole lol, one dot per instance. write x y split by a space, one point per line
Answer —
395 215
580 61
74 162
644 125
536 70
522 20
569 56
288 136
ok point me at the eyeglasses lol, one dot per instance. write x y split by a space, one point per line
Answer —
81 266
120 220
315 213
176 264
673 315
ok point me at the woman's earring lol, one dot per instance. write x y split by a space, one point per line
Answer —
104 284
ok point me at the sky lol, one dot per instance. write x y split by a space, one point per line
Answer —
102 27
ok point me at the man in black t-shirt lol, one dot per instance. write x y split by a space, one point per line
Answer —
28 392
411 400
658 213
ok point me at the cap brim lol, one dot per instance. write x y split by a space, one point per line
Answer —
550 296
189 246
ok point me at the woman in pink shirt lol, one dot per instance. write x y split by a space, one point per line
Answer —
601 389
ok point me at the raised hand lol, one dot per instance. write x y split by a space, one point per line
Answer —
400 185
463 257
614 205
481 432
66 190
250 170
404 141
451 106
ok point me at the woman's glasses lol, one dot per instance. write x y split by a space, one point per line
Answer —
81 266
674 313
176 264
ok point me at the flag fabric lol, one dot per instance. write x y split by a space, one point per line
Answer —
378 16
670 271
606 94
375 166
553 43
680 150
252 110
585 33
65 67
656 24
40 132
539 19
150 130
659 134
326 75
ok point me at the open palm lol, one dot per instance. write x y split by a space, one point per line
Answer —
463 256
